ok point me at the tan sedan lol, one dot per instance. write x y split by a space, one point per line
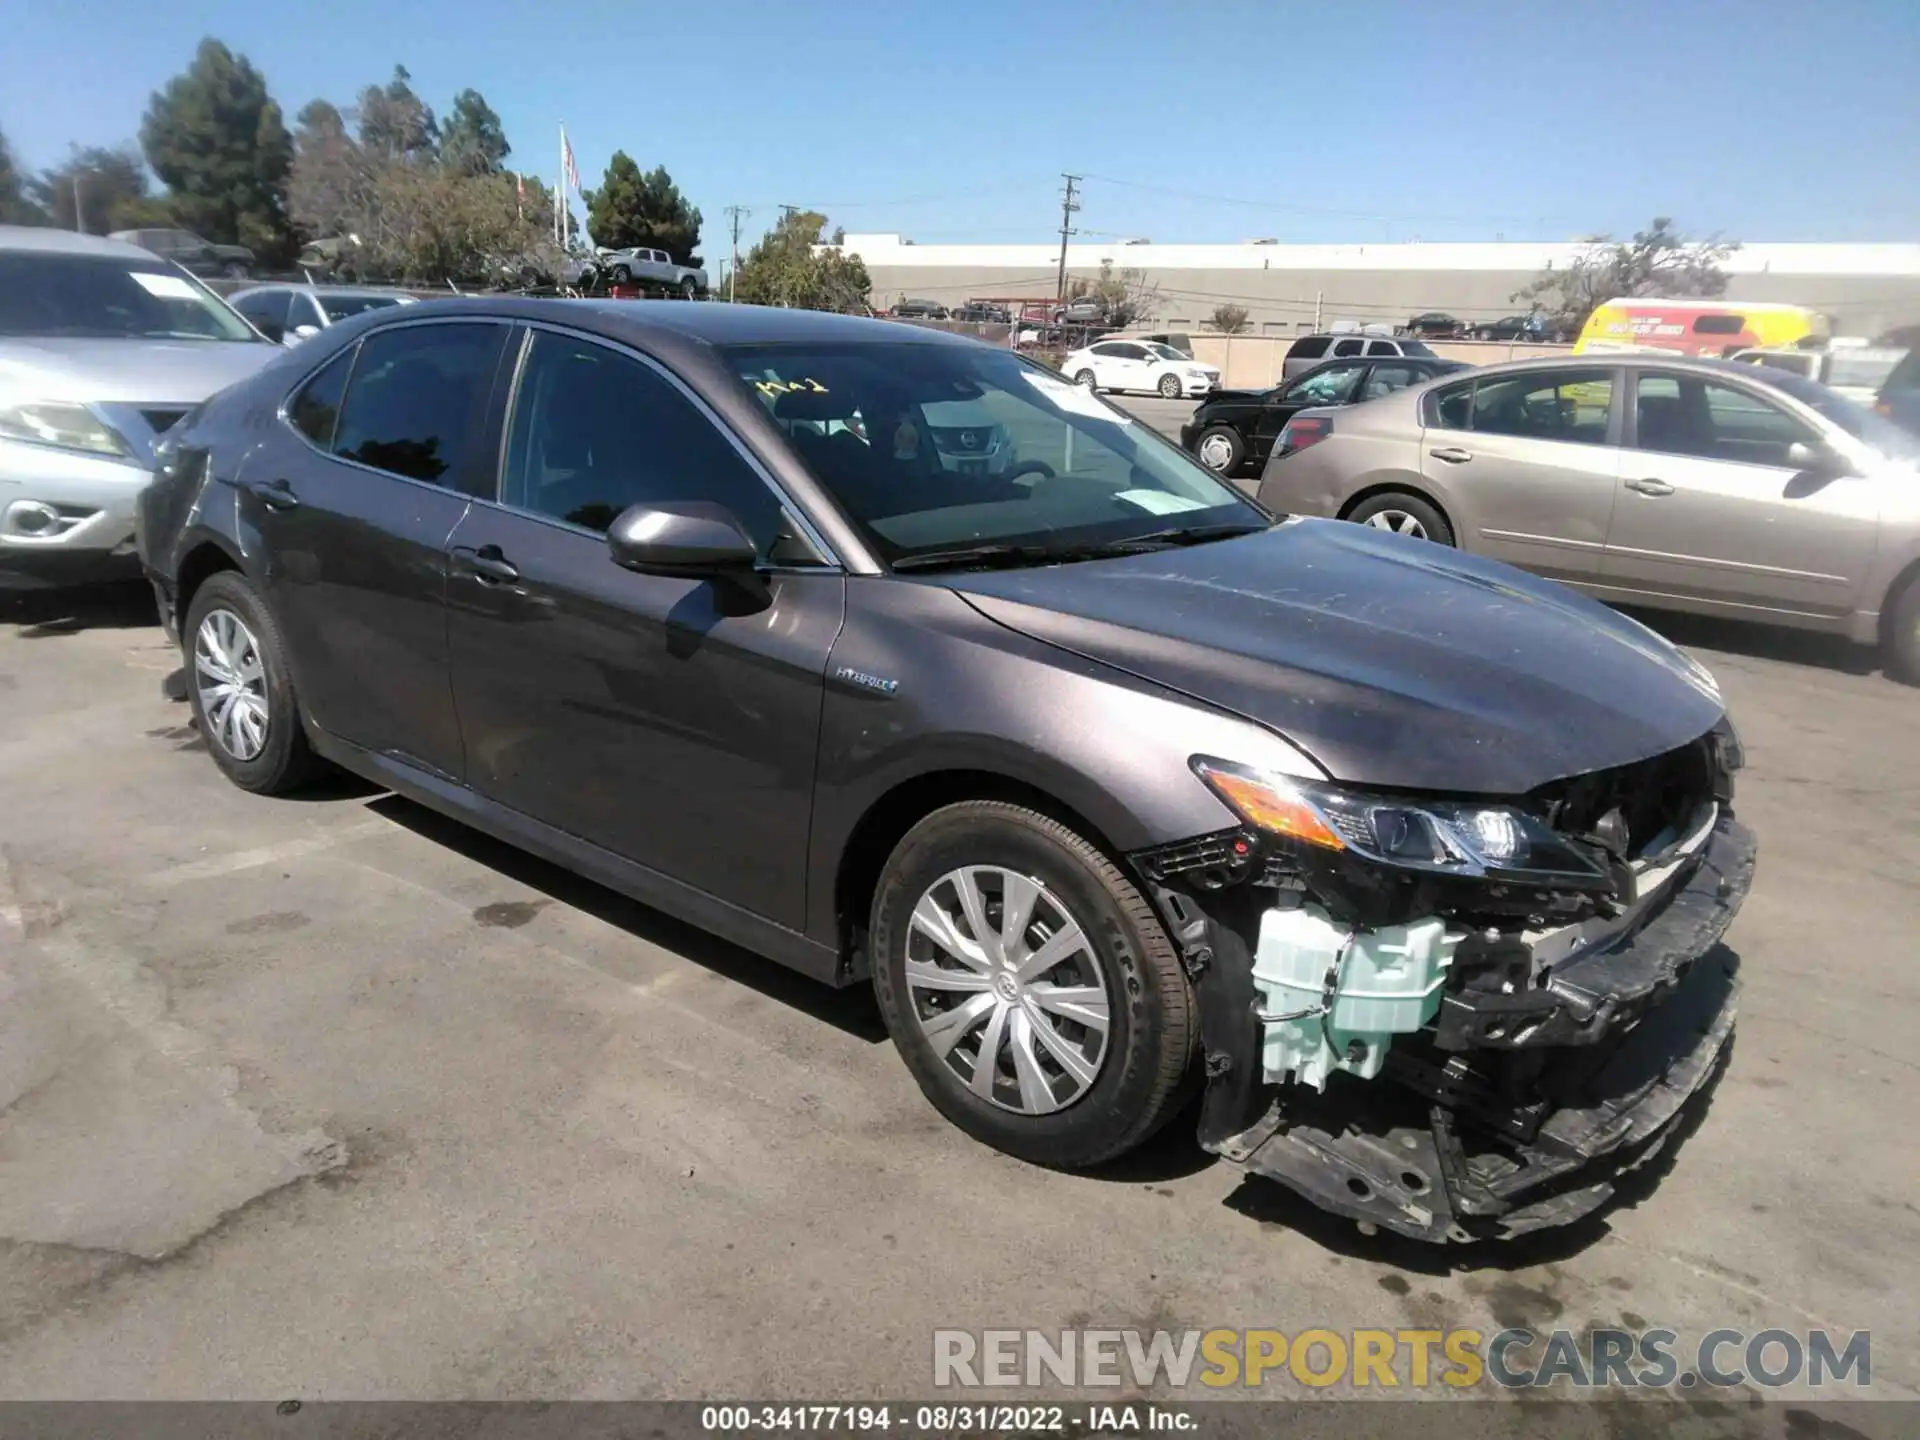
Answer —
1672 483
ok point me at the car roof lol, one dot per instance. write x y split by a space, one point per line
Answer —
47 241
305 288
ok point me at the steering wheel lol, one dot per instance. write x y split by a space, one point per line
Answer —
1030 467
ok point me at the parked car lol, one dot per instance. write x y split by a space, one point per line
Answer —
1084 311
1144 366
919 310
190 252
1671 482
1233 430
1434 325
654 269
981 313
1309 350
1102 778
1899 398
292 313
1535 329
1856 371
104 347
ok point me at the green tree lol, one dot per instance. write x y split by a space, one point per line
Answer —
472 141
395 123
789 266
631 208
15 207
112 187
1658 261
215 138
1230 319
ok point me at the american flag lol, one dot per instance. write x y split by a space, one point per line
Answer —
566 155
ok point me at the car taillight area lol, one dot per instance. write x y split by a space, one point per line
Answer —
1302 431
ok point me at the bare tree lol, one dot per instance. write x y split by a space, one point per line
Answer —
1658 261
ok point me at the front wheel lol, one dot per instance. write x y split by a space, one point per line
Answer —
1169 387
1220 449
1903 635
622 275
242 691
1084 377
689 290
1029 986
1404 514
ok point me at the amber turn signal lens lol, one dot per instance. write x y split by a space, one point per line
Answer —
1270 805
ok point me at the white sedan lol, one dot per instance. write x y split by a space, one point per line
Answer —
1143 365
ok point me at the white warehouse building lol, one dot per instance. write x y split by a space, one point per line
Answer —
1288 289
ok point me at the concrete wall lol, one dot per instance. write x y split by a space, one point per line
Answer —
1287 289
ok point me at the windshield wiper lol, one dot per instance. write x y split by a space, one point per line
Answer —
1011 555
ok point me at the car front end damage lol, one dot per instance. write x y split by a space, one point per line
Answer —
1459 1018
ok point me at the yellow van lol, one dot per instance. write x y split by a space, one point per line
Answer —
1698 327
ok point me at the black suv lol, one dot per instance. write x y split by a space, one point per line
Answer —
1109 784
1234 430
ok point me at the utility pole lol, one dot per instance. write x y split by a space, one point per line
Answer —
735 213
79 216
1067 206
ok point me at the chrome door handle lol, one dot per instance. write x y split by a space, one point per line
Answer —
1650 487
487 564
1452 454
274 494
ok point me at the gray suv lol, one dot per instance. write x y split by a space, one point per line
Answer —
1310 350
104 347
1686 484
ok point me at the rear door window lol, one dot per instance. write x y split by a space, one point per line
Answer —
416 398
1566 405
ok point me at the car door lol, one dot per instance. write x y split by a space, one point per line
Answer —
1711 508
1527 462
350 497
672 721
1332 384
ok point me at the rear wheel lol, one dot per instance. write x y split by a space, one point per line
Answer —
1404 514
1029 986
1220 449
241 690
1903 635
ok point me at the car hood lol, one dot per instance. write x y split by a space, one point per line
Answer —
1392 662
141 372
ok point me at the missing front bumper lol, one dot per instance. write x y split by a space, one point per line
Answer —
1432 1150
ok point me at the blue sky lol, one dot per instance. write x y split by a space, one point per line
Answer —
1193 120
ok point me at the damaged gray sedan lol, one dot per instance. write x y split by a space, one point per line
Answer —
1111 783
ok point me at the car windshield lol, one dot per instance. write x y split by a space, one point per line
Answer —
1069 472
1851 416
1414 347
1167 352
339 307
49 295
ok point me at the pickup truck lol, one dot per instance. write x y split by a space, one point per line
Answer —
1856 371
654 269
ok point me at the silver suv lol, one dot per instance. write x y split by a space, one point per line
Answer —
104 347
1676 483
1309 350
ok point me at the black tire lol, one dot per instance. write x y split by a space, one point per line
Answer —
1903 635
1152 1019
1085 377
285 762
622 275
689 290
1170 387
1406 503
1236 451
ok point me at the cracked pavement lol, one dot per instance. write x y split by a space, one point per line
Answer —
332 1098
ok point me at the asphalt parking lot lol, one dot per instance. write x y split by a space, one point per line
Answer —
332 1098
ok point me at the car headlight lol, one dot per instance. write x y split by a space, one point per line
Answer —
61 424
1449 837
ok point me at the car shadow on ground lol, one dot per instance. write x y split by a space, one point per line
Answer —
1761 642
1273 1204
852 1010
50 614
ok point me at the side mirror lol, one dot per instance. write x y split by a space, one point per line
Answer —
1817 459
305 332
692 539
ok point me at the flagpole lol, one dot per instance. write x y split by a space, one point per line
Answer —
560 189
